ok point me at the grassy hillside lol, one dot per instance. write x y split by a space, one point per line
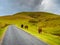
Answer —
47 22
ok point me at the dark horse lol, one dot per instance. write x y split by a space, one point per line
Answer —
39 30
22 26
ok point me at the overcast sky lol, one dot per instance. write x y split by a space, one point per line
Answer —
8 7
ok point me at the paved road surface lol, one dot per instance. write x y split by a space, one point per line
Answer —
15 36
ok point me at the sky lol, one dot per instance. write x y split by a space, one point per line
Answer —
8 7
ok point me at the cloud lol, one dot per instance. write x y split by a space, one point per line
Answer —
50 6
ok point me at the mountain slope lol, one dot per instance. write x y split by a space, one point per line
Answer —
39 19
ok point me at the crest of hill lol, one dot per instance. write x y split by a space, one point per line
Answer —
35 15
15 16
38 15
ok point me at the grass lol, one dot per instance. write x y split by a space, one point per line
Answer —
2 30
50 24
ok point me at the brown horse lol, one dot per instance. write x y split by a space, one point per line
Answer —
39 30
26 27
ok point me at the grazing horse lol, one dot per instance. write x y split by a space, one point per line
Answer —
22 26
39 30
26 27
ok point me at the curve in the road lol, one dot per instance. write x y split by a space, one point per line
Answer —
15 36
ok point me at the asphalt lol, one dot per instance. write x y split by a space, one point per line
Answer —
15 36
